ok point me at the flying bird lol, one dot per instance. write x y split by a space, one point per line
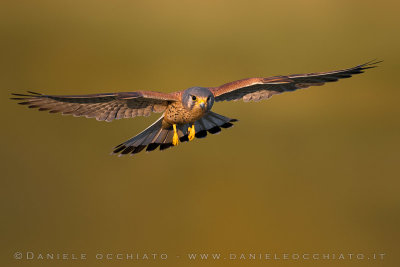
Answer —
186 114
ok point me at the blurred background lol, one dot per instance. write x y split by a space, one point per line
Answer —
313 171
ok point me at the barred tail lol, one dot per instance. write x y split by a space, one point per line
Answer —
212 123
143 139
156 136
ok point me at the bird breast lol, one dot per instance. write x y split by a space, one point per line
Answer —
176 113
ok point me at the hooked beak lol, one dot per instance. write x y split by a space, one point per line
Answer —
202 104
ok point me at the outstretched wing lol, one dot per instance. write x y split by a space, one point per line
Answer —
256 89
101 106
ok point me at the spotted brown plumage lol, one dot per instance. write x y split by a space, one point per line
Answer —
186 114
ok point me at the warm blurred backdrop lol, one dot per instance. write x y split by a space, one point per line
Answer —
313 171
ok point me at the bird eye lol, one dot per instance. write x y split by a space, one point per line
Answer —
194 98
208 98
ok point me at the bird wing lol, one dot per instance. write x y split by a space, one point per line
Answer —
256 89
101 106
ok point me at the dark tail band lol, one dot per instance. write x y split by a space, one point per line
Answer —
155 136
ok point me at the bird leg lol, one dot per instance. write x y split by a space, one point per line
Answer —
175 138
192 132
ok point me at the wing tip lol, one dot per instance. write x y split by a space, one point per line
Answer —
370 64
28 96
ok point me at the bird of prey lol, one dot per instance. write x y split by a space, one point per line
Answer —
186 114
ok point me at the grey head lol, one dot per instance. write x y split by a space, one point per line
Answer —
198 97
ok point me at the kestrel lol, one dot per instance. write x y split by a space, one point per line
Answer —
186 114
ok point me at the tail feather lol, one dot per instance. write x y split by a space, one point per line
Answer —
140 141
214 123
167 143
224 121
183 132
155 136
168 138
160 139
150 137
201 128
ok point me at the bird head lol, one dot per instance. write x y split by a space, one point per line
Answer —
198 98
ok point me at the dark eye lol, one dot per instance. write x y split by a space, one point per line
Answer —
208 98
194 98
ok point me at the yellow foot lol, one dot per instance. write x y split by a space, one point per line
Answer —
175 138
192 132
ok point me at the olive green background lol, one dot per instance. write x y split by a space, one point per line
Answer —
313 171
